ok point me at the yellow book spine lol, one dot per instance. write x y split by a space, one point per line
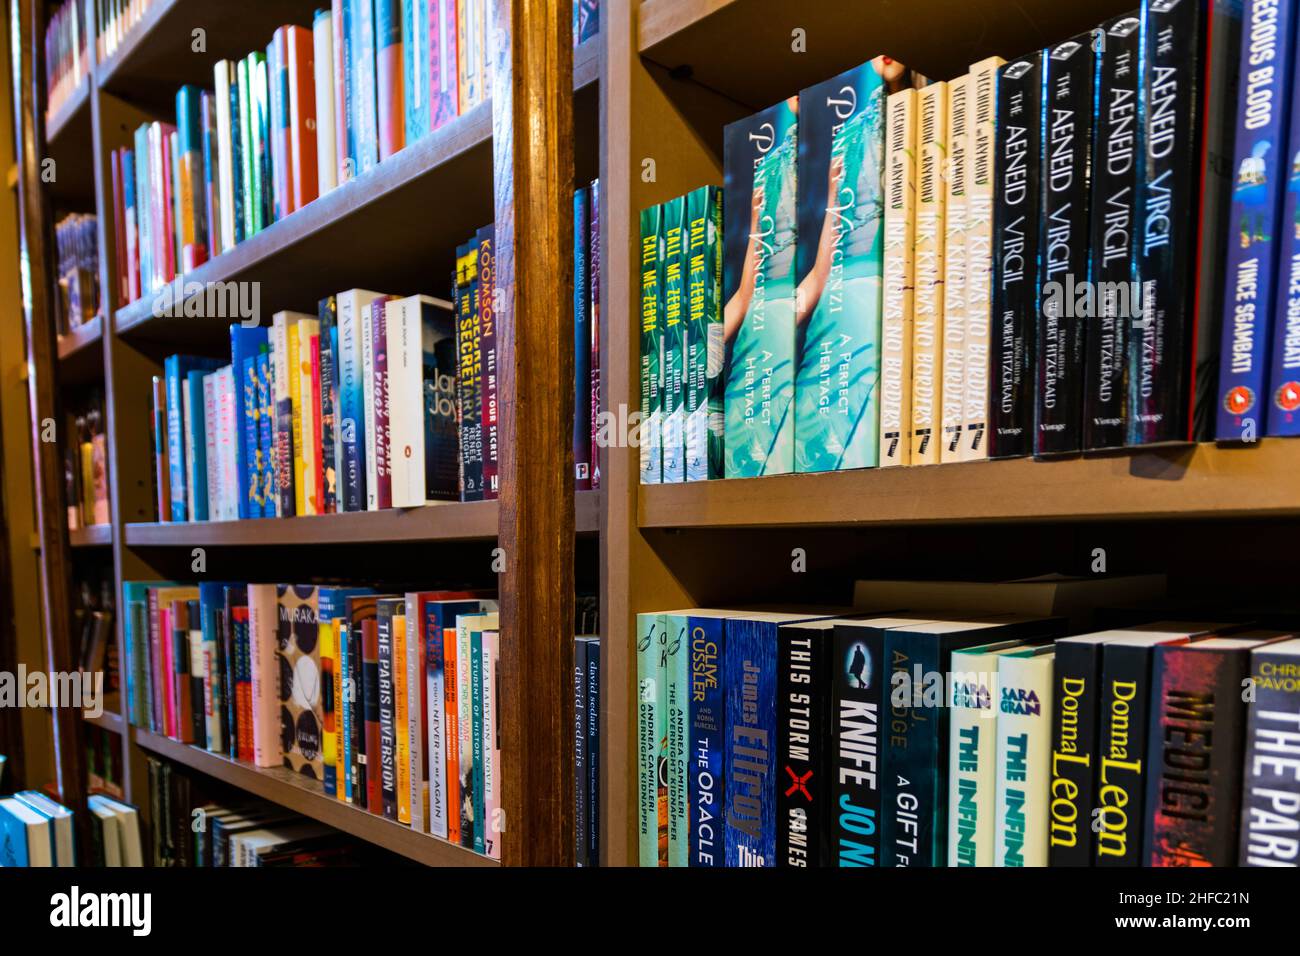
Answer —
329 663
927 311
900 238
340 749
952 402
983 87
305 417
400 691
295 400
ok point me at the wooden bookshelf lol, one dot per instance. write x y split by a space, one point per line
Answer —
108 720
303 795
394 227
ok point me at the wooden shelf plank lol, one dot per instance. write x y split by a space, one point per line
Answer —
453 521
91 536
301 795
586 63
75 110
81 356
83 337
746 49
1189 481
108 720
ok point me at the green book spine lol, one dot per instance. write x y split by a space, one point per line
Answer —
259 94
652 741
245 133
651 346
678 654
705 348
673 319
476 709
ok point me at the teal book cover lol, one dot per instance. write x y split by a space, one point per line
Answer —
476 738
652 740
652 346
674 336
678 656
840 266
705 420
760 154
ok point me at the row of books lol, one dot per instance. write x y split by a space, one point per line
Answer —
939 738
918 272
38 831
92 622
115 19
68 58
76 238
85 462
236 830
391 701
103 750
282 126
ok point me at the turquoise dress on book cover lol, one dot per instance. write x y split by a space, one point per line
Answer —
760 367
837 399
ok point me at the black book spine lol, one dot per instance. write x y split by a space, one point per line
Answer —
1270 812
1122 767
1076 699
858 682
198 699
384 710
803 731
580 795
356 699
1115 296
1063 246
1015 259
1168 194
593 752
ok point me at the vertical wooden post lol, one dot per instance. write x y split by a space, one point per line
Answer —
532 126
42 357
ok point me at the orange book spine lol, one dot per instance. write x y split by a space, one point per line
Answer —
302 116
452 724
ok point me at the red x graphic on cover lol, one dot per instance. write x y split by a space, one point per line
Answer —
798 783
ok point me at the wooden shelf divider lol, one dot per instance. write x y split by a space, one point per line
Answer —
91 536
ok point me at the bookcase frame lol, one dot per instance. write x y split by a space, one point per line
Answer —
526 183
663 78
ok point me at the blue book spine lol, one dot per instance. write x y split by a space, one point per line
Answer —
212 600
198 439
344 707
1260 163
131 213
1284 368
416 66
707 741
476 689
175 443
249 438
245 343
749 676
365 120
133 592
264 439
352 420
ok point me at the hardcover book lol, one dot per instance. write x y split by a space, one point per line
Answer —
900 241
1197 737
1024 756
980 188
1115 298
1270 813
952 402
759 277
928 301
1063 245
705 416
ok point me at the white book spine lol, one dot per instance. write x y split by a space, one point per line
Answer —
406 401
900 239
368 403
352 312
972 753
415 686
1024 759
952 404
323 50
491 748
435 680
310 425
211 422
979 255
225 154
226 449
263 617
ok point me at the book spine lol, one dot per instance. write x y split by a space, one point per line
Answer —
673 320
706 747
652 764
705 417
582 316
972 754
351 412
263 614
445 105
304 118
803 738
928 300
250 476
593 752
298 334
436 722
1063 246
364 93
1123 747
1015 260
1197 738
323 79
451 714
1168 189
651 450
386 711
492 821
270 492
981 180
131 212
465 731
373 721
191 224
380 384
581 756
277 69
342 12
900 243
327 396
329 722
1114 189
357 769
678 676
367 340
485 303
911 768
416 60
346 695
749 673
476 741
388 77
1024 759
175 448
1270 815
470 365
1076 695
401 712
594 272
953 350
